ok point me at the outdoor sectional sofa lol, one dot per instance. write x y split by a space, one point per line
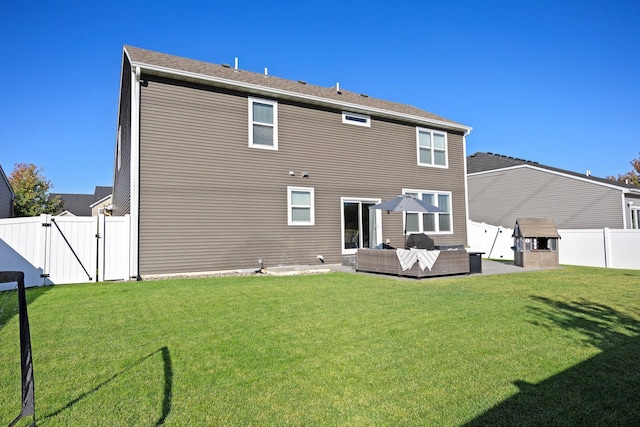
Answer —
386 261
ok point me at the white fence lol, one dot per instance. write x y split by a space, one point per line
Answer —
65 249
495 242
605 247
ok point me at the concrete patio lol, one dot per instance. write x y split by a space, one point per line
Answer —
489 267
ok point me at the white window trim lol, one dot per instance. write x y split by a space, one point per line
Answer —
365 123
635 218
446 148
421 224
253 100
312 215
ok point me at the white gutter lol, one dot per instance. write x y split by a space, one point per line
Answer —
164 71
624 211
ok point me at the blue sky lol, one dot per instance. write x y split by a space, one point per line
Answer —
557 82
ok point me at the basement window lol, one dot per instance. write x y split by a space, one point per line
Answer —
356 119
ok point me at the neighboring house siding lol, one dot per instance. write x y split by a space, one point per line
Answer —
499 197
209 202
6 197
100 207
122 180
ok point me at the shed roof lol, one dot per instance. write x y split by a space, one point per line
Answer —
535 227
162 64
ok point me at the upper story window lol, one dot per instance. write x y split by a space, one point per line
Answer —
263 124
300 206
356 119
432 223
432 147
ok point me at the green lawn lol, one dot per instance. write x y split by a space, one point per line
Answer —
558 347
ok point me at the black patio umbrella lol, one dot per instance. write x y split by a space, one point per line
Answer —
407 203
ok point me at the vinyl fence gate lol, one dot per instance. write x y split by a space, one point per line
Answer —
66 249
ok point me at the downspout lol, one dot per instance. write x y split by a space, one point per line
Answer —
134 171
624 211
466 184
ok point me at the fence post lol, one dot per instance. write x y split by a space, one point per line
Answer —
484 237
608 262
100 239
45 247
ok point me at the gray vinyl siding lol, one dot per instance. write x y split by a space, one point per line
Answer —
501 196
122 178
208 202
6 198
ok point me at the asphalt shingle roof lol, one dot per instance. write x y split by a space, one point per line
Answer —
537 227
178 66
482 162
80 204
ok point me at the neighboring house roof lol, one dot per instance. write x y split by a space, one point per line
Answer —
7 196
161 64
6 180
101 192
102 200
80 204
484 162
536 227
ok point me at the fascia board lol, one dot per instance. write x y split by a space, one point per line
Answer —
105 198
634 191
566 175
263 90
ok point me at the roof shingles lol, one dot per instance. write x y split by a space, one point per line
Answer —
179 65
483 162
80 204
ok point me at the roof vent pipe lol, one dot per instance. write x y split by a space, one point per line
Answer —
236 62
338 87
588 172
266 71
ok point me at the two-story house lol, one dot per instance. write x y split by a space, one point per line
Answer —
220 168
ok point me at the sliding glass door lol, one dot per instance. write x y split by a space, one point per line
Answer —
361 226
